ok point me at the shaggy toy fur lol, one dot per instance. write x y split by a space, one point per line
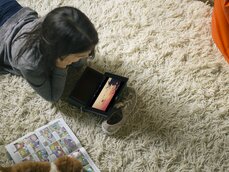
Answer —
63 164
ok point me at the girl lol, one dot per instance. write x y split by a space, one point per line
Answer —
41 49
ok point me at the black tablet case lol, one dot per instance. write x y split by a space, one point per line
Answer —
88 87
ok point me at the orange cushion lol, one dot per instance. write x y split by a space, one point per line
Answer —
220 26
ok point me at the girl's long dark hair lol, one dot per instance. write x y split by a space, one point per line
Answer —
64 31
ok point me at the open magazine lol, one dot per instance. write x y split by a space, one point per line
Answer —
49 142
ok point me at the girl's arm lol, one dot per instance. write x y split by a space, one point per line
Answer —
49 87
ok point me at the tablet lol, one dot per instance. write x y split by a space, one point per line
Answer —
96 92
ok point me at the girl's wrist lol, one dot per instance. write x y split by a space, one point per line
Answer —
61 66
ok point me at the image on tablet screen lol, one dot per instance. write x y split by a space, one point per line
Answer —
107 93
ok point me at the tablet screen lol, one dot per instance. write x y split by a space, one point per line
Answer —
107 93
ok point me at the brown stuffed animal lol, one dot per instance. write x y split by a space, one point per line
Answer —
62 164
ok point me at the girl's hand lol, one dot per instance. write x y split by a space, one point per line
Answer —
72 58
61 63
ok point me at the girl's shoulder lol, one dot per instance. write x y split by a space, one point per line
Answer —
31 59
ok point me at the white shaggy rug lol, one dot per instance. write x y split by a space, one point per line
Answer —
181 122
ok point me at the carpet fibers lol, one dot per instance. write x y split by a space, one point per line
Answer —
181 120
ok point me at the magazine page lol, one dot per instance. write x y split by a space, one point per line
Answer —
57 140
49 142
20 151
45 144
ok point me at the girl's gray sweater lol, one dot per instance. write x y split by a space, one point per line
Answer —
50 86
